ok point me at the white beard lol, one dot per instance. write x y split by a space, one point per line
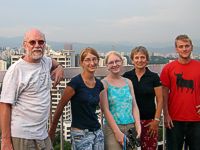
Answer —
35 54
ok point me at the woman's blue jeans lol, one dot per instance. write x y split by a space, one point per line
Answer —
87 140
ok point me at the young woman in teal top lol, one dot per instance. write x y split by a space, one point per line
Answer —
118 104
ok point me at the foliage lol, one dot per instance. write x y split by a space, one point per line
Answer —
160 133
56 143
8 62
158 60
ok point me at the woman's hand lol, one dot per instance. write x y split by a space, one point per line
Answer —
51 133
119 136
153 128
138 129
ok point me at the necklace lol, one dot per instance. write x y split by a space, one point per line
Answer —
90 83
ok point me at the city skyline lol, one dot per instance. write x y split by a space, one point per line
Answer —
139 22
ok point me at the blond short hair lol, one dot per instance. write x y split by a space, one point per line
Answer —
183 37
112 53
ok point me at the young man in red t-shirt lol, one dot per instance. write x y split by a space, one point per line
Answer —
181 92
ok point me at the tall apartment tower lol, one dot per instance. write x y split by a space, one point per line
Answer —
3 65
66 58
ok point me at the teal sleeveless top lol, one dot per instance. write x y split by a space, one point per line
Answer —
120 103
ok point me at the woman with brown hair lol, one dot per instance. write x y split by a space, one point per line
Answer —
147 88
83 91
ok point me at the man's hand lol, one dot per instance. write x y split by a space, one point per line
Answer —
6 144
57 75
168 121
198 109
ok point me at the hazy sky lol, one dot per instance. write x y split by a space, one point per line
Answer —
102 20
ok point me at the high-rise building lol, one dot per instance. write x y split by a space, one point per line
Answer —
15 58
3 65
66 59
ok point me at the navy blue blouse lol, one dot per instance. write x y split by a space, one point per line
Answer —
84 104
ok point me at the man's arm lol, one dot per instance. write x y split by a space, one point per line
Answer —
5 123
57 72
167 118
55 64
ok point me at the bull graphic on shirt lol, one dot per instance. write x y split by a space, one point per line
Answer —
182 83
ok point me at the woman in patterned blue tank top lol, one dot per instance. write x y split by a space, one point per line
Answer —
118 104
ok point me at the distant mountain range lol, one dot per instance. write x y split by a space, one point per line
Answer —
100 46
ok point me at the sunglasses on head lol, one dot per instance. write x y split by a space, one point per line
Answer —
33 42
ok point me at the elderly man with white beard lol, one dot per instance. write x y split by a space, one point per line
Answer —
25 97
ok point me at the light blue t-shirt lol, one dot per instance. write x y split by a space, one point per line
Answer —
120 103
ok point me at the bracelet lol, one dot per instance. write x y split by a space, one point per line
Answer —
157 119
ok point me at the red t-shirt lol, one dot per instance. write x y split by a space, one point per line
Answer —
183 81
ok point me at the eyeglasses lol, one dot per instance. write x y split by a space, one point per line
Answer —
117 62
88 60
184 46
33 42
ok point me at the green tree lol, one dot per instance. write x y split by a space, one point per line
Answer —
8 62
158 60
56 143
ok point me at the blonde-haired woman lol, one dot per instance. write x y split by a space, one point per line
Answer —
83 90
118 104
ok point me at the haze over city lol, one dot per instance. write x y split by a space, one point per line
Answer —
144 21
102 24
